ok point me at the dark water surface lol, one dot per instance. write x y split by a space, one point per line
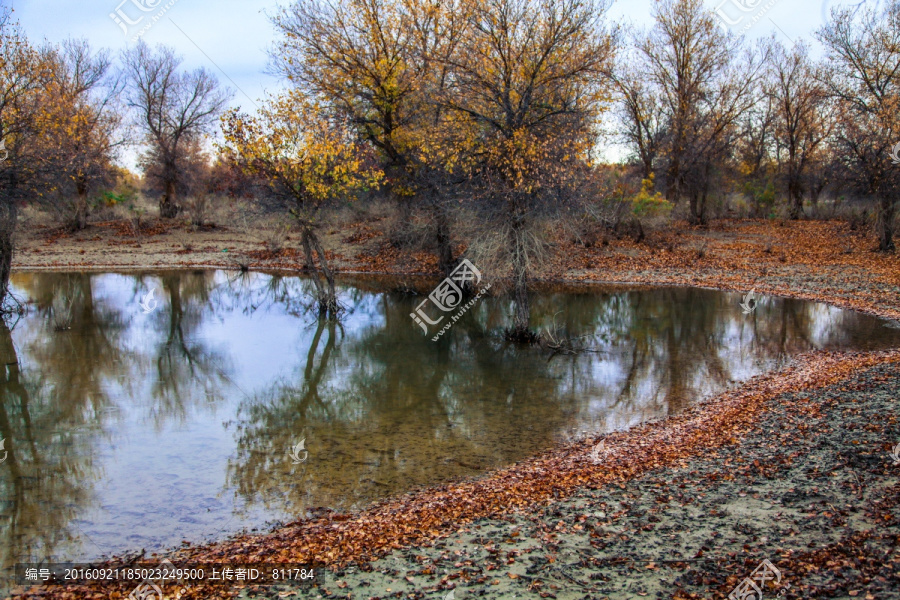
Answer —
128 430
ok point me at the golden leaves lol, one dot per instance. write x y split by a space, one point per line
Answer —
298 151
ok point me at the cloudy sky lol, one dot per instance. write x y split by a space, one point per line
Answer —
231 37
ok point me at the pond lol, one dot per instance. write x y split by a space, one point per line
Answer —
217 403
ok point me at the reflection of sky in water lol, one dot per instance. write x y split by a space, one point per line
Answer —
150 429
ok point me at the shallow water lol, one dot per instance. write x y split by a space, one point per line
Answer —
127 428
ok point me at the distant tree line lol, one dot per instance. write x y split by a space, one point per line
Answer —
494 107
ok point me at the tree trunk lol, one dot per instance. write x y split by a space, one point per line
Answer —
698 200
648 167
522 313
673 180
445 249
796 195
885 224
168 209
311 266
796 208
697 212
331 303
8 218
79 220
816 190
325 292
520 295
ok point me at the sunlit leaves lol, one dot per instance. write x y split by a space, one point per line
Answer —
300 154
78 124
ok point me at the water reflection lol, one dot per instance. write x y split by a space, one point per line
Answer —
129 430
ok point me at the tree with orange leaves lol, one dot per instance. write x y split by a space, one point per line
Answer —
80 125
24 73
307 161
379 64
526 90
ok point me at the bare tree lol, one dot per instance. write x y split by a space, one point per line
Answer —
644 126
802 120
863 77
706 80
173 107
755 155
193 164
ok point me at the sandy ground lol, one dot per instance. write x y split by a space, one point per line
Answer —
794 467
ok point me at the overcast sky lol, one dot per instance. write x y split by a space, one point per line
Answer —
231 37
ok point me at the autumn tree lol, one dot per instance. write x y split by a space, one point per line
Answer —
525 91
643 124
173 107
862 53
378 64
190 158
80 124
24 72
802 118
307 161
706 79
755 168
434 174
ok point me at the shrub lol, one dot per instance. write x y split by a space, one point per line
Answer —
762 198
647 204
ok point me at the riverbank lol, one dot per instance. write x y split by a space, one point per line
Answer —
810 260
691 507
793 467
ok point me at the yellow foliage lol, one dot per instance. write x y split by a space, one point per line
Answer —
299 153
649 204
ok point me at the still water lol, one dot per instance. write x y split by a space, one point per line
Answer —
136 421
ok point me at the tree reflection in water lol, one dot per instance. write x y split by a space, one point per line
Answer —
198 403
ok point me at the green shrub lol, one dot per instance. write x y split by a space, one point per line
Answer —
762 198
648 204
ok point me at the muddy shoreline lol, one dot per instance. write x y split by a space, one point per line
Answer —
807 260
